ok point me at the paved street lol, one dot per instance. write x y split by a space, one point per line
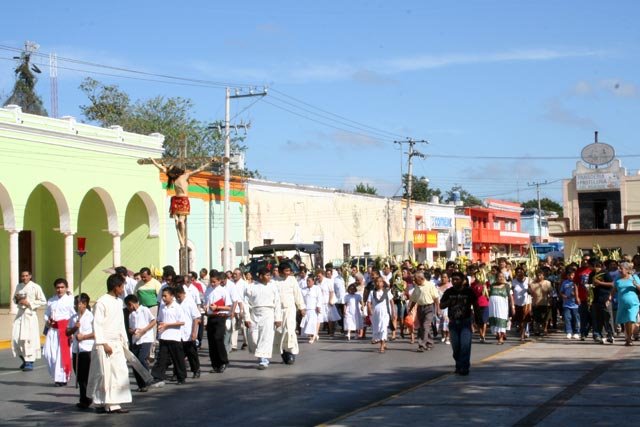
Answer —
331 378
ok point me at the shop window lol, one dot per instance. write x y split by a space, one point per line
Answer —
599 210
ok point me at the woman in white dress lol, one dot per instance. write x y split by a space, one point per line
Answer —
313 301
381 309
352 311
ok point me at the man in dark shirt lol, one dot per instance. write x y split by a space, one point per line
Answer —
601 309
459 301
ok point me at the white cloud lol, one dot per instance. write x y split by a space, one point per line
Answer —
619 87
378 71
558 113
582 88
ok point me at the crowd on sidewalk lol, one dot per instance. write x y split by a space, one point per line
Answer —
157 326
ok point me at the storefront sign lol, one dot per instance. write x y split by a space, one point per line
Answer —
466 241
597 181
441 222
425 239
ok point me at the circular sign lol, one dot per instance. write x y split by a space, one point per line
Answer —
598 154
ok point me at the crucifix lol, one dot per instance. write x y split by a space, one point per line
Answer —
178 178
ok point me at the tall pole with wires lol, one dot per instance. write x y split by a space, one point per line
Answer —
226 261
409 196
537 185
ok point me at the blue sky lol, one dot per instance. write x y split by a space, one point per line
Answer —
491 78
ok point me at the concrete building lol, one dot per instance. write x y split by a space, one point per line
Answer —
345 224
496 230
537 226
601 204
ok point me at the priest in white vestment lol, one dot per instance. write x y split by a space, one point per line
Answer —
286 341
263 313
109 375
25 337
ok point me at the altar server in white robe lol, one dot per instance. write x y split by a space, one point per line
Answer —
109 375
25 337
57 345
263 313
286 341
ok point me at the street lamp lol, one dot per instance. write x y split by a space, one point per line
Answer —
81 251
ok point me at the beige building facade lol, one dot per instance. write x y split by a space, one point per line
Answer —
344 224
601 205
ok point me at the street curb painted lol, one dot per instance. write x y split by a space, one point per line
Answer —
413 388
6 344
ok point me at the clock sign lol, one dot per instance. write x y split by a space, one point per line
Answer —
598 154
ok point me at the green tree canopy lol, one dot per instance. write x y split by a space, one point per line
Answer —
24 93
420 190
365 188
172 117
546 204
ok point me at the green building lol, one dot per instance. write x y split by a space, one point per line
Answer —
60 180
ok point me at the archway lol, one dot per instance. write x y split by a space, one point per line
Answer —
41 242
140 245
7 222
95 217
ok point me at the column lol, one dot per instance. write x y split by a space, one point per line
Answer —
68 259
14 266
117 251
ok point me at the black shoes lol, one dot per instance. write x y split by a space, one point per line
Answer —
196 374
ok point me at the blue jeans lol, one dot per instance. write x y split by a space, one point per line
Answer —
460 336
571 320
141 351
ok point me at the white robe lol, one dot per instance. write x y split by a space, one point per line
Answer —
109 375
262 308
291 299
353 312
58 308
25 336
380 315
329 312
313 301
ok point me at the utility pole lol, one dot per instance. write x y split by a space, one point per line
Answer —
227 171
538 184
411 154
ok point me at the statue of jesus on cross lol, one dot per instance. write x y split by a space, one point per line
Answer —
178 179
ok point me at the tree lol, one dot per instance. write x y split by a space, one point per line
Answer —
365 188
466 198
172 117
420 190
546 204
23 93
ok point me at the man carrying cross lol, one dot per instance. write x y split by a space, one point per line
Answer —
178 178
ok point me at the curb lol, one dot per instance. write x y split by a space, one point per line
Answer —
410 389
6 344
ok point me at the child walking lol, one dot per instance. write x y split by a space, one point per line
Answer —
81 329
352 312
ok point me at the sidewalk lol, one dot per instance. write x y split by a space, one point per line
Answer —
6 326
552 382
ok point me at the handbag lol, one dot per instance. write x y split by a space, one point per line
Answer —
409 321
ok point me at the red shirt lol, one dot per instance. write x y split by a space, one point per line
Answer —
478 289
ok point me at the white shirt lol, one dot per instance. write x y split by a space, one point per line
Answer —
191 313
520 295
219 294
193 293
326 286
171 313
59 308
339 289
312 297
85 328
140 319
238 292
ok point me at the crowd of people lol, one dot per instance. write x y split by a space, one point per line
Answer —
157 326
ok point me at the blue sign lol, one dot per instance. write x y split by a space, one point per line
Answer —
441 222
